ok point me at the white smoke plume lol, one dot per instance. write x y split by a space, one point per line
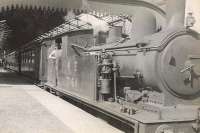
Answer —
97 24
70 15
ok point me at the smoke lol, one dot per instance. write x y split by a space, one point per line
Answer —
97 24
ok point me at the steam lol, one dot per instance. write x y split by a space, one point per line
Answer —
70 15
97 24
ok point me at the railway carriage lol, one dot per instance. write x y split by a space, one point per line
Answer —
12 61
25 61
30 61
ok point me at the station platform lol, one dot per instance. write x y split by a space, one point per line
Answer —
26 108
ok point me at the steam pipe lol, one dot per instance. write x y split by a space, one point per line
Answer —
115 80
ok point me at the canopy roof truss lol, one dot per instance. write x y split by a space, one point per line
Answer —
76 24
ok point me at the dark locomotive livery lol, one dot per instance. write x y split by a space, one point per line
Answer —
151 79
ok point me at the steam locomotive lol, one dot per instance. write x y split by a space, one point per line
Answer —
150 79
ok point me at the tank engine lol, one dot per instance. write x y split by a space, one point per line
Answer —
150 79
155 71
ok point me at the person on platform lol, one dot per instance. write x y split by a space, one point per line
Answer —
56 55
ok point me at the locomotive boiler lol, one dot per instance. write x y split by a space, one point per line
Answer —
166 61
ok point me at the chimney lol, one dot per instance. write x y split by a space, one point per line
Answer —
175 12
144 23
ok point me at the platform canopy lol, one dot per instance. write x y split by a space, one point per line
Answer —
70 4
47 4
